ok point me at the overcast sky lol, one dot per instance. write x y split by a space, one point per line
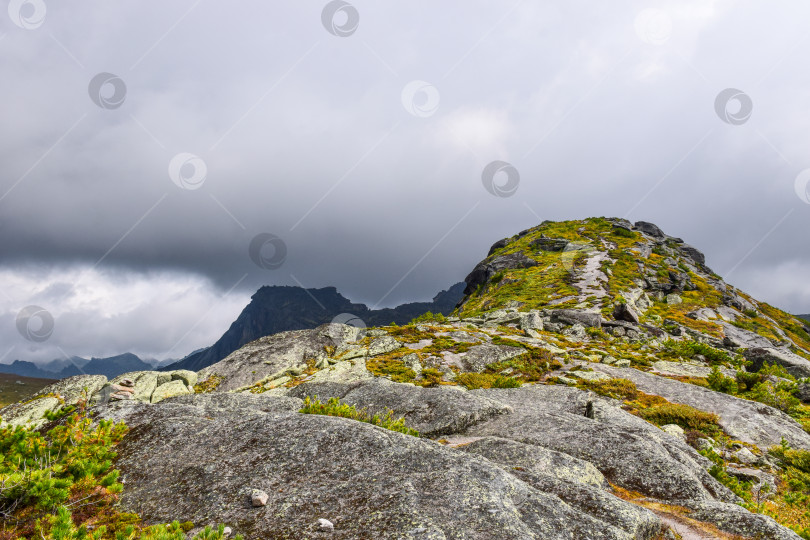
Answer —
145 146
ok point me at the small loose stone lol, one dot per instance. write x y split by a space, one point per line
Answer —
258 498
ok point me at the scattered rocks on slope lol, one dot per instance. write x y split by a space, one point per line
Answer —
804 392
65 392
271 355
624 312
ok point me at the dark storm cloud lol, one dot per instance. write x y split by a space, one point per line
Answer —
364 153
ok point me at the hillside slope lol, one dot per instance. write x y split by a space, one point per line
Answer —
14 388
597 381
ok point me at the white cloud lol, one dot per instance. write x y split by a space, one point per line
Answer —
481 131
103 313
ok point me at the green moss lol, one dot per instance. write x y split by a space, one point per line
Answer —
444 343
613 388
500 340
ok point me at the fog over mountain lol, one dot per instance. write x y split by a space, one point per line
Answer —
149 151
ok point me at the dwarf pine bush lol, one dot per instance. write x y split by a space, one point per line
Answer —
50 481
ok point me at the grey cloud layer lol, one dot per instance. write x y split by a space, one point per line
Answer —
304 135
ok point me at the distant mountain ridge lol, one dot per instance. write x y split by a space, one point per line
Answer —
276 309
61 369
806 317
272 309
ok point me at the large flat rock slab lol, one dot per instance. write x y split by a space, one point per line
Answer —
369 482
553 417
433 412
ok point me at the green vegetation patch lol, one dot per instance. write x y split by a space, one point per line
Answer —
655 409
792 501
408 333
718 471
430 317
209 384
391 366
771 385
334 407
684 416
473 381
61 485
528 367
688 350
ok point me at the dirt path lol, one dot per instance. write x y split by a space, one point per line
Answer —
683 528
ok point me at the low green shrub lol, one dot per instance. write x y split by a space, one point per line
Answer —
682 415
779 396
529 367
430 317
53 484
718 471
720 383
794 496
690 349
60 526
622 232
746 381
431 378
473 381
334 407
